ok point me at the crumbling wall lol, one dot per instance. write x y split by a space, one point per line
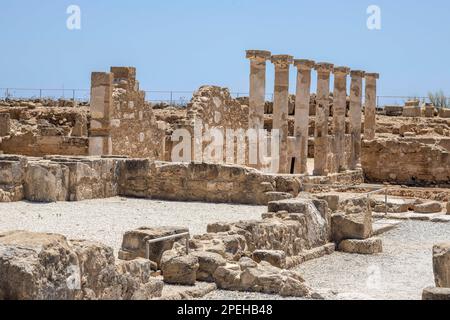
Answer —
34 129
405 162
134 131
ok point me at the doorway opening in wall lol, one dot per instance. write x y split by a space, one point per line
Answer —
293 165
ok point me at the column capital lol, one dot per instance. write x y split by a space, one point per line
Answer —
282 60
357 73
341 71
258 55
324 67
372 75
303 64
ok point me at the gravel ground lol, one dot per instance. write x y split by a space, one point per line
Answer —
106 220
400 273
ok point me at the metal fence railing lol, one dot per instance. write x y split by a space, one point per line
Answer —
174 98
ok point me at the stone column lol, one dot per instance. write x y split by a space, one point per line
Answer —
322 114
370 109
281 106
5 124
101 109
339 112
355 119
257 97
302 101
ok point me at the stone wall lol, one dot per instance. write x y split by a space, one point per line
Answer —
405 162
34 129
135 132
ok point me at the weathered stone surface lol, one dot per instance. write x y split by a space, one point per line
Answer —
134 242
36 266
441 265
46 182
218 227
208 264
248 275
428 207
412 111
368 246
395 204
401 161
437 294
351 226
277 258
178 269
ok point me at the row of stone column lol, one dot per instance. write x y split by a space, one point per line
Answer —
299 149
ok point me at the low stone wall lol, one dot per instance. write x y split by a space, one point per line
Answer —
405 162
62 178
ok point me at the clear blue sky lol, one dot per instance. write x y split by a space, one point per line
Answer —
182 44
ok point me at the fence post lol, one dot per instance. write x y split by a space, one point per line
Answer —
73 95
171 97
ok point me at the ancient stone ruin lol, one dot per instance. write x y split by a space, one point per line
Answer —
335 173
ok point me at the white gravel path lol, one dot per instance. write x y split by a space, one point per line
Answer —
106 220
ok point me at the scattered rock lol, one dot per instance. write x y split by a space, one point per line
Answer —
277 258
368 246
179 269
351 226
208 264
428 207
441 265
438 294
218 227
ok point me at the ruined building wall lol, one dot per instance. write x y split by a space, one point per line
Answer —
135 132
34 129
405 162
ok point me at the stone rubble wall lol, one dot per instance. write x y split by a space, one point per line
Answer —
405 162
135 132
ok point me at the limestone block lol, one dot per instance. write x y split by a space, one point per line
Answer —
180 270
430 111
134 242
208 264
277 196
46 182
428 207
218 227
351 226
250 276
27 261
412 112
368 246
444 112
277 258
12 173
5 124
441 265
393 111
437 294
